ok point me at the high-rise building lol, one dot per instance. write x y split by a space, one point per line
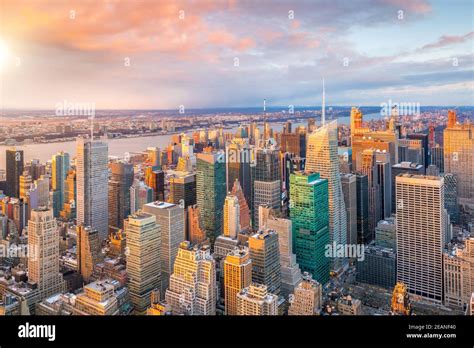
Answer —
170 217
59 169
140 194
182 188
195 233
193 289
91 180
322 158
238 159
307 297
265 255
87 250
401 168
211 192
231 217
290 270
70 195
15 167
143 258
363 232
43 240
256 300
368 167
451 197
384 184
385 233
265 193
425 147
237 276
411 150
458 142
156 180
121 180
41 186
421 233
309 214
25 185
244 213
378 266
349 189
437 157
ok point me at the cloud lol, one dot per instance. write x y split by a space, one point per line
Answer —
447 40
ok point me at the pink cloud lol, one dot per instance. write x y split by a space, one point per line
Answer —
447 40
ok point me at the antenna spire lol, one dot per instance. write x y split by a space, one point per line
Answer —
323 111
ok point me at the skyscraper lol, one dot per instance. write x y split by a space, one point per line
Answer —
87 250
237 276
400 168
309 215
349 189
238 160
140 194
143 258
265 255
290 270
265 193
231 217
43 241
59 169
193 289
170 218
211 192
182 188
15 167
244 213
156 180
322 158
91 180
121 180
459 160
421 232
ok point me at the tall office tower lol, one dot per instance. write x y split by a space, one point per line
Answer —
25 184
311 125
402 168
121 180
307 298
87 250
294 143
42 186
363 232
237 276
458 263
437 157
368 167
211 192
256 300
140 194
196 234
290 270
156 180
231 217
182 188
459 160
154 156
193 289
411 150
451 197
266 168
244 213
266 193
349 189
265 255
321 157
59 169
364 138
238 160
423 138
43 238
143 258
378 266
20 214
69 209
170 217
15 167
309 214
421 232
91 180
384 183
385 233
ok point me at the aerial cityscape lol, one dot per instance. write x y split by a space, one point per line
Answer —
233 158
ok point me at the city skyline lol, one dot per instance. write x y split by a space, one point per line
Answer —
200 56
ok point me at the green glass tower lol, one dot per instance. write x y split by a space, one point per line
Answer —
211 192
309 213
59 169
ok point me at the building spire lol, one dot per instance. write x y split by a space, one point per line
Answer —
323 111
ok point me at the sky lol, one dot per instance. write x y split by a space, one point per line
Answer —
146 54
